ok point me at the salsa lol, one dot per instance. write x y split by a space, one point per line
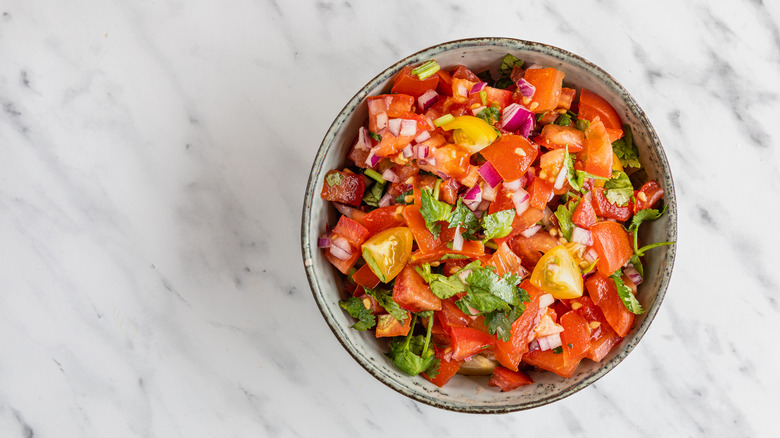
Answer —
489 223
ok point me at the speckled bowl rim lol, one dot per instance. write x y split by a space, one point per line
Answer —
515 44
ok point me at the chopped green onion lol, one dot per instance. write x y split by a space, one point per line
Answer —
427 69
375 136
436 189
483 97
443 120
376 176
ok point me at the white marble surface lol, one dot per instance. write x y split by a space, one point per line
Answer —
154 160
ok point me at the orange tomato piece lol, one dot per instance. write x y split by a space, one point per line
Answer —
603 292
412 293
591 106
612 245
548 83
511 155
598 149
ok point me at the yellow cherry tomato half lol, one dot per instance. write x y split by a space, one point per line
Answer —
557 273
387 252
471 132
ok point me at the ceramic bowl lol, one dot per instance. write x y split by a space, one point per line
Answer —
471 394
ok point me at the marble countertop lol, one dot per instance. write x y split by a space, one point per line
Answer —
155 156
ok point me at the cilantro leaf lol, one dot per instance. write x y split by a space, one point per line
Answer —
624 292
566 119
490 114
646 214
484 302
451 256
441 285
498 224
401 199
564 214
626 150
508 63
385 299
500 323
355 307
582 124
619 189
412 353
465 218
486 280
433 210
637 264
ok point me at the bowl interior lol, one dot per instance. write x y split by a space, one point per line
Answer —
473 394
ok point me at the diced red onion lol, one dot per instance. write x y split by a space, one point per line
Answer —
461 91
477 110
408 127
489 193
407 151
528 125
483 205
363 139
386 200
343 209
581 235
473 197
420 152
515 117
376 106
529 177
533 346
323 242
372 158
560 179
425 135
590 255
340 248
530 231
448 354
442 175
476 88
547 214
427 100
526 88
429 161
394 126
546 300
489 173
521 200
457 242
533 66
514 185
550 342
633 274
389 175
381 120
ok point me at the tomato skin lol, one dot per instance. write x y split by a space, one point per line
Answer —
591 105
451 315
445 83
387 326
602 337
584 215
351 230
382 218
502 97
558 137
510 352
548 360
506 261
447 368
576 332
463 72
541 192
598 148
349 191
531 249
467 342
510 164
548 83
651 192
366 277
412 293
414 220
612 245
603 292
508 380
406 83
567 97
606 209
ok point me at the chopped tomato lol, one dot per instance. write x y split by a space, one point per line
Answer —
407 83
591 106
445 83
598 149
502 97
602 336
447 368
414 220
412 293
612 245
601 346
390 144
355 233
576 336
547 325
460 89
511 155
382 218
467 342
507 379
506 261
551 361
471 249
531 249
603 292
452 159
387 326
558 137
548 83
463 72
584 215
344 187
606 209
648 196
366 277
567 97
541 192
521 222
392 105
451 315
